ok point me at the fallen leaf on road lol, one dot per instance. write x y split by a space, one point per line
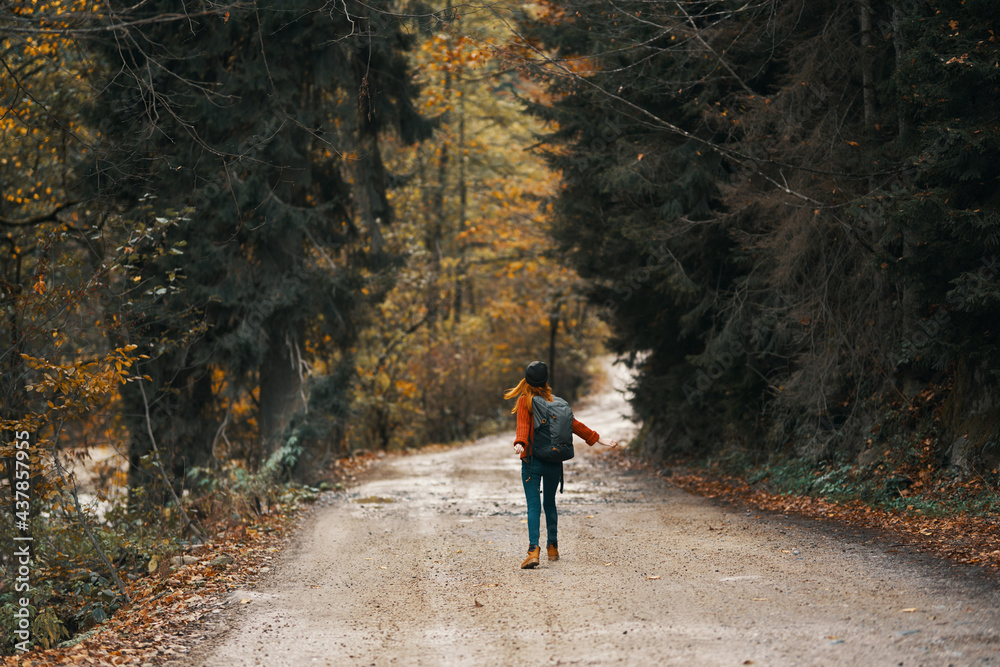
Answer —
245 601
653 576
908 610
606 564
760 599
478 603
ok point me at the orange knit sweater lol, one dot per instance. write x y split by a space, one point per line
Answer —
526 427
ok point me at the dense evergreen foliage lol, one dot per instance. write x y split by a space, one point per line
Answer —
945 225
786 212
273 172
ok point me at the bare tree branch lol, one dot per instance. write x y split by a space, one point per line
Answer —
163 473
80 516
51 216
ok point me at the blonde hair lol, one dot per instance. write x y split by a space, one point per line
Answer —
524 392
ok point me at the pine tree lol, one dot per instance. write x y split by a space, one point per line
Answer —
710 152
640 213
943 240
259 128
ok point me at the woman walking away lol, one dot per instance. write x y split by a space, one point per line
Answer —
533 469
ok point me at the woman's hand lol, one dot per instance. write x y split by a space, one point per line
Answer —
613 444
518 449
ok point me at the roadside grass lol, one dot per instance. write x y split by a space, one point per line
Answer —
907 485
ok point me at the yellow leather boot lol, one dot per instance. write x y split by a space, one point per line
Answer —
553 552
532 559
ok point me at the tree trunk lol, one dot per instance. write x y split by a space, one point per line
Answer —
553 330
867 55
463 200
280 383
280 370
899 44
971 414
437 213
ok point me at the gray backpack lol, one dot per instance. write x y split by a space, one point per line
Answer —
553 422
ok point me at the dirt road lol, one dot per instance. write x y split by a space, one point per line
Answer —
419 565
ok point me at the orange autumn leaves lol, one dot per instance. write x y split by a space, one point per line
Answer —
482 282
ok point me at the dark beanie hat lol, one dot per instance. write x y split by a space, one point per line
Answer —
537 374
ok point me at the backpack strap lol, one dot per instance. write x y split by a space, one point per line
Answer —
531 430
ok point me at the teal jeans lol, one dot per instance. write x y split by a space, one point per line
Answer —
533 472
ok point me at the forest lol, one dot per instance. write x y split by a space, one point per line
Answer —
243 241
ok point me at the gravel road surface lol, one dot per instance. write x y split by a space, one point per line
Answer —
418 564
